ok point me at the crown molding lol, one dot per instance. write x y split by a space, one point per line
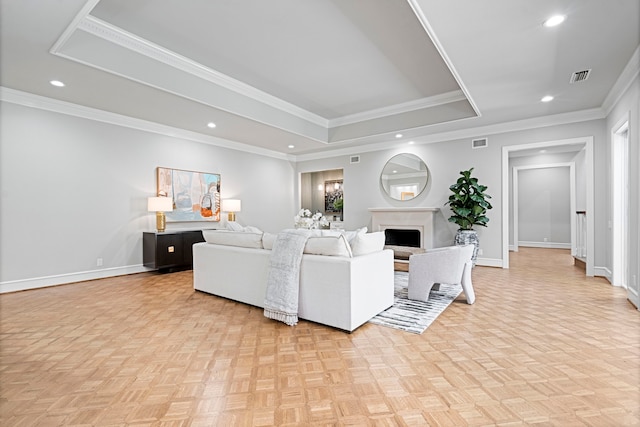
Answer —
73 26
127 40
417 10
63 107
470 132
432 101
120 37
49 104
624 81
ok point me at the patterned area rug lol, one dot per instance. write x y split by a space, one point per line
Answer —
415 316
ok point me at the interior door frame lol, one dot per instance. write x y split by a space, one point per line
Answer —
590 184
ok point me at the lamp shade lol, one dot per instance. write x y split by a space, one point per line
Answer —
231 205
159 204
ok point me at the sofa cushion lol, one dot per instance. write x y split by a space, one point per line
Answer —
366 243
328 245
233 238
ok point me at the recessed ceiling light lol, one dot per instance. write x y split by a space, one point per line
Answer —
57 83
554 20
411 142
211 125
547 98
543 151
395 171
398 135
291 146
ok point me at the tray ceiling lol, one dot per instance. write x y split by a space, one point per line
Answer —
318 74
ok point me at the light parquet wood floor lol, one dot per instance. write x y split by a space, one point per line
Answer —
542 345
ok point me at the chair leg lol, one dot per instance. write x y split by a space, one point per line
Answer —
467 285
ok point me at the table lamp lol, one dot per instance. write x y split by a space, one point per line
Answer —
160 205
232 206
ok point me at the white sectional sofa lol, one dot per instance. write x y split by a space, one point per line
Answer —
341 291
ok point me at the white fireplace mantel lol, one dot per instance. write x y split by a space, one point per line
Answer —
410 218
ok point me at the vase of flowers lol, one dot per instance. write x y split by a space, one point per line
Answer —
305 219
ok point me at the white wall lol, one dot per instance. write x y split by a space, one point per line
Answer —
74 190
544 208
445 160
627 106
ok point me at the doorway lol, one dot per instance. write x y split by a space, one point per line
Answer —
323 191
587 182
620 203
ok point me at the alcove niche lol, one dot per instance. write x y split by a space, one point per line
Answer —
319 190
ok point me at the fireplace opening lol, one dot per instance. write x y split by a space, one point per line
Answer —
402 237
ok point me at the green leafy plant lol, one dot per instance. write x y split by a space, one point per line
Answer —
338 204
468 202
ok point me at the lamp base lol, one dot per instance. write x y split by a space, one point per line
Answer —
161 221
231 216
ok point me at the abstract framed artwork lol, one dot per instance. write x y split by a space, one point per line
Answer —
332 192
195 195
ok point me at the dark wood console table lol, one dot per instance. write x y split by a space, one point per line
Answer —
171 250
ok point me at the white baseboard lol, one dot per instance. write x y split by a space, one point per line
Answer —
633 296
545 245
603 272
489 262
62 279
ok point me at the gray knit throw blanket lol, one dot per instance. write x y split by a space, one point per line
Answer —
283 281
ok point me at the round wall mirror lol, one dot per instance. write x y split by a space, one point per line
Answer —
404 176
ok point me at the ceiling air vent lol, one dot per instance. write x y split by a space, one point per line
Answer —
580 76
354 159
479 143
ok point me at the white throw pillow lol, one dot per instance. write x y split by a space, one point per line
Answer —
267 240
251 229
328 245
366 243
234 226
352 234
233 238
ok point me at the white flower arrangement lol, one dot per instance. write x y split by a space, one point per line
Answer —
305 219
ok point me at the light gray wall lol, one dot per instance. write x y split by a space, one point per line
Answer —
445 160
544 209
539 160
628 105
74 190
581 180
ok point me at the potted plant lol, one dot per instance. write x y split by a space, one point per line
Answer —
469 205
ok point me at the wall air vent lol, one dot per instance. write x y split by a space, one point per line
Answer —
354 159
479 143
580 76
